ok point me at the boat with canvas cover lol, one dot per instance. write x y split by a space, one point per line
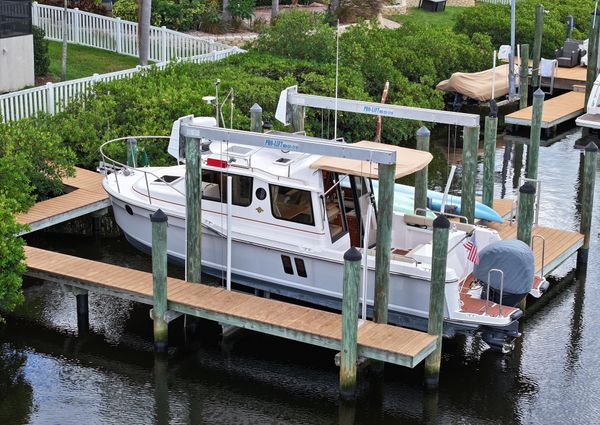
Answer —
292 219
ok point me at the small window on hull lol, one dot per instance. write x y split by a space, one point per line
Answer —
287 264
300 268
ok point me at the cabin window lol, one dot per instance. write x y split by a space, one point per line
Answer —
335 205
300 267
291 204
287 264
214 188
167 179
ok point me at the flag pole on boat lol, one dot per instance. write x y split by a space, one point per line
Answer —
337 69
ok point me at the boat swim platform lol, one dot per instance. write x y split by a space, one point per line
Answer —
86 196
557 110
377 341
589 120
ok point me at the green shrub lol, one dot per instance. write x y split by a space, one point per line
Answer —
494 20
181 15
127 10
41 58
242 9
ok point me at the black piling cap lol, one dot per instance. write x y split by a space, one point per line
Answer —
591 147
493 109
352 254
527 188
267 125
158 217
441 222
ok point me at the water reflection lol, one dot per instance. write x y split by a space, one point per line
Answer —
16 394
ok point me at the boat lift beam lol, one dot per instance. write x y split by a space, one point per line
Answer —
291 142
290 97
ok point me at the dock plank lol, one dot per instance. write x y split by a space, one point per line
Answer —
556 110
383 342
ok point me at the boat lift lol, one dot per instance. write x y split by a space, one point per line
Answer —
290 98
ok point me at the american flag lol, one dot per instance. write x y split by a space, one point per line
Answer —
471 247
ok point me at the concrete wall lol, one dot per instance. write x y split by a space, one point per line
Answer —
16 63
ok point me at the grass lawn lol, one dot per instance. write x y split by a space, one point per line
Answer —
439 19
86 61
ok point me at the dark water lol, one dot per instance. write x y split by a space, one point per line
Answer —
50 375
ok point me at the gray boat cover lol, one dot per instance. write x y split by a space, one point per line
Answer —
478 85
514 258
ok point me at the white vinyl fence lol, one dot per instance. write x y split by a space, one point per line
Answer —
54 97
117 35
104 33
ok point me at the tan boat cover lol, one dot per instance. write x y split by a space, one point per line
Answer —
408 161
478 85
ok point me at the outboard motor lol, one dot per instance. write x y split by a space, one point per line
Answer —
515 259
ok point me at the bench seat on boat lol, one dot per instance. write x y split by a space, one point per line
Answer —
418 220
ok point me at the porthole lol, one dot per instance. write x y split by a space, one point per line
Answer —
128 209
261 193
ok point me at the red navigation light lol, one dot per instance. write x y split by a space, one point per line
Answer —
219 163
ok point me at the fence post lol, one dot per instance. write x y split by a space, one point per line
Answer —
77 25
163 44
50 98
34 14
118 36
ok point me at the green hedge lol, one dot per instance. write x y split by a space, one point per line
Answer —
494 20
41 58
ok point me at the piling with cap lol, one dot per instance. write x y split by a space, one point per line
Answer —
193 216
420 201
489 158
469 172
349 353
537 44
533 149
524 77
159 280
526 212
593 44
435 325
256 118
588 183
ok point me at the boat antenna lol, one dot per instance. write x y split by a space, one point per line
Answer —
337 69
217 99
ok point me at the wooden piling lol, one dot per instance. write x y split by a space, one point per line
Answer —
533 149
159 280
587 200
420 201
524 77
525 213
435 325
298 118
469 172
593 43
256 118
349 353
537 44
489 159
193 195
83 315
385 214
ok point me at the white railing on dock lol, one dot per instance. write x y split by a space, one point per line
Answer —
498 1
54 97
104 33
117 35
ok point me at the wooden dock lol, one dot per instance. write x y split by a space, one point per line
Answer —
560 244
567 78
556 111
86 196
386 343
